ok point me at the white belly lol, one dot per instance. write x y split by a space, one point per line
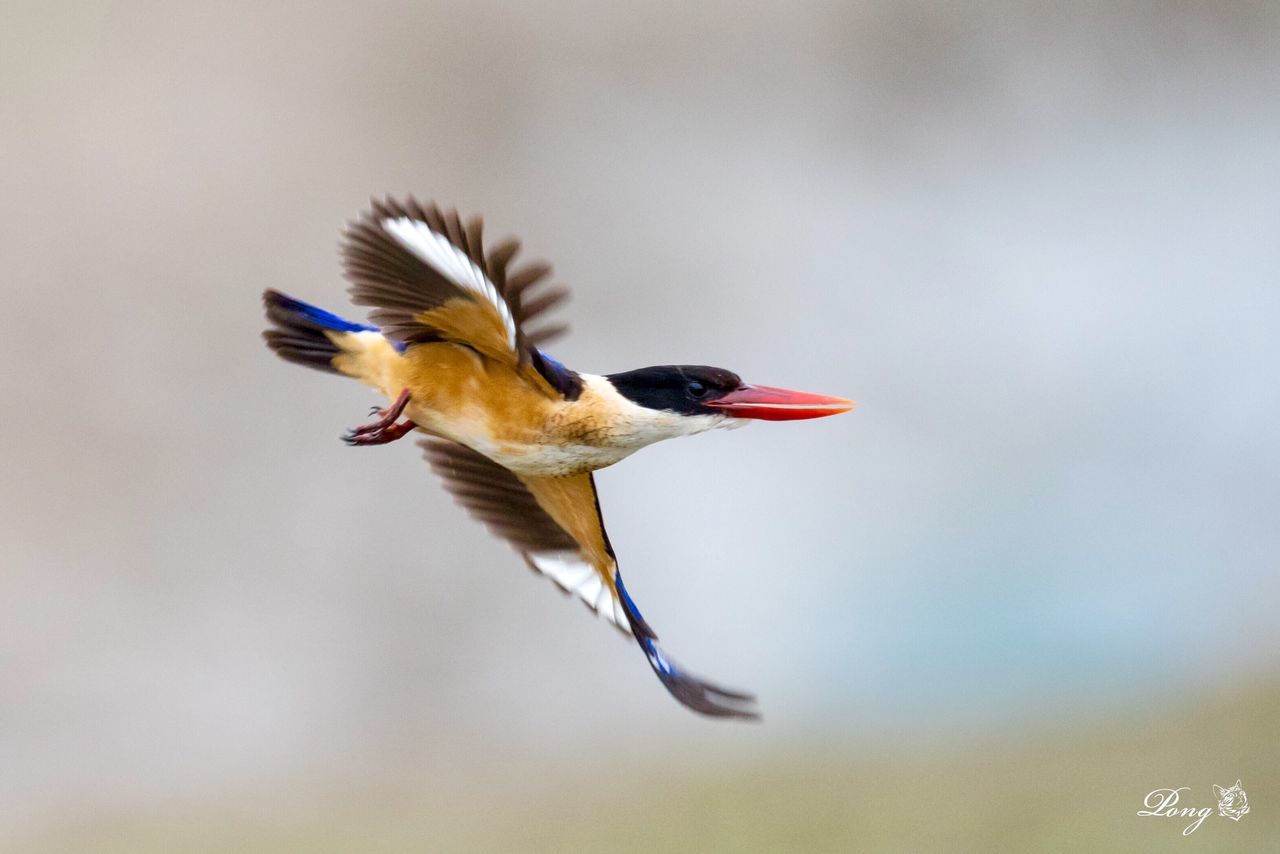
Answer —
536 459
555 460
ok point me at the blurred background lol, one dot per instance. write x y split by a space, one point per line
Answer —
1032 578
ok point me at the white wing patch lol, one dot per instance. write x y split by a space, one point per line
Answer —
574 575
450 262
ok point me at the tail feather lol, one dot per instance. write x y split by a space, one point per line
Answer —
299 331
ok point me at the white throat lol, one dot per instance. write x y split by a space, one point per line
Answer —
637 426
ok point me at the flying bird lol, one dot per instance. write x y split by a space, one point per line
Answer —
514 434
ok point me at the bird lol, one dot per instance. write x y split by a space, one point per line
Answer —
454 342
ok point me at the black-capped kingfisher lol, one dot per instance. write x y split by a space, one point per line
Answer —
514 434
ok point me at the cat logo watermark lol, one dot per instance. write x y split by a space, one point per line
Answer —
1233 803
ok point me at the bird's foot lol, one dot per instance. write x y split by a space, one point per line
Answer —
380 436
385 429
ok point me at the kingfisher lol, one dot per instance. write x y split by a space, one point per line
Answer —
454 343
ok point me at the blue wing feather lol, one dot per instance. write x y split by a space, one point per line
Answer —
696 693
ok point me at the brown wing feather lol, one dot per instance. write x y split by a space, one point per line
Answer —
401 287
495 497
573 553
543 518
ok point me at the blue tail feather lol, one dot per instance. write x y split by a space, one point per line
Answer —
299 331
305 312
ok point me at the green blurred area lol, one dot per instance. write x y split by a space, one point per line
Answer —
1074 789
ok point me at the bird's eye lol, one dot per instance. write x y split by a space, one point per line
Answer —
696 389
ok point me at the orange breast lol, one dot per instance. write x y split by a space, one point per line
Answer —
508 412
457 393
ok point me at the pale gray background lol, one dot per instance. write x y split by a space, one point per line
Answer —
1039 245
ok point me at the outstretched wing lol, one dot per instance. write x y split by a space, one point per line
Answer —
500 500
557 526
428 278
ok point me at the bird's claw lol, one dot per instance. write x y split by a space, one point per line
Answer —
377 434
386 429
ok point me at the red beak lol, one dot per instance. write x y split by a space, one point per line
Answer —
778 404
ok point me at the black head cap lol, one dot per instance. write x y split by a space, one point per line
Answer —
685 389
